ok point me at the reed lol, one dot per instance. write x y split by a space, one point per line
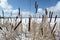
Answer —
55 18
51 16
53 27
19 12
29 23
46 11
17 25
36 6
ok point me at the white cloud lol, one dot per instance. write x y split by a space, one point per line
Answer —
15 11
25 13
40 10
7 7
55 8
4 4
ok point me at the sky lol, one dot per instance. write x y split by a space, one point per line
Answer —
27 6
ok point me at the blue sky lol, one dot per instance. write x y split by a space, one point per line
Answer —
28 5
14 3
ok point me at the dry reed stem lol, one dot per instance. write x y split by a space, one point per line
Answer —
36 6
17 25
29 23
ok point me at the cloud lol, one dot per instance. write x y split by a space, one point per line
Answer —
25 13
4 4
55 8
7 7
15 11
40 10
